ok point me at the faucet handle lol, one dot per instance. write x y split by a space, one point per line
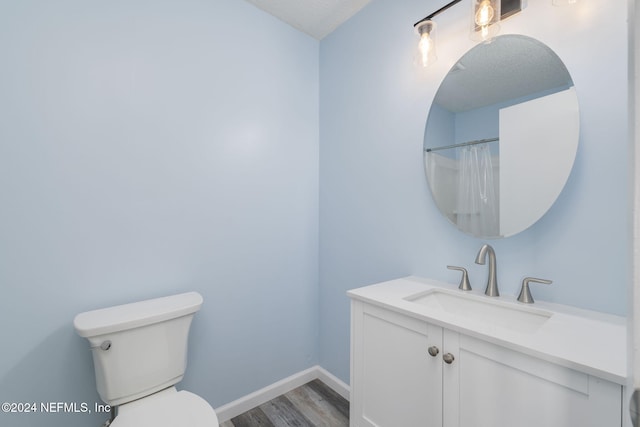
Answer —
525 293
464 281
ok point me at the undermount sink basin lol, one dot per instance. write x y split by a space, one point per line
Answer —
483 310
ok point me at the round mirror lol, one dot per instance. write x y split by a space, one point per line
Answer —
501 136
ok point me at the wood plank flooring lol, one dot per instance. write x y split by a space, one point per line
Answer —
313 404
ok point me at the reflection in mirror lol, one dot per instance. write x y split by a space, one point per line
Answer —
501 136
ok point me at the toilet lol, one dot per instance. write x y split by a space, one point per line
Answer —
139 354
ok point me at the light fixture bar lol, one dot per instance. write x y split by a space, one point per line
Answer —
509 7
442 9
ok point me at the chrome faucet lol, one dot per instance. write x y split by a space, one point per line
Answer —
492 281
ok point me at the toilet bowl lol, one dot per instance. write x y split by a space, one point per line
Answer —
139 354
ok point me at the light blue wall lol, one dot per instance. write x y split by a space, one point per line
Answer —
377 219
150 148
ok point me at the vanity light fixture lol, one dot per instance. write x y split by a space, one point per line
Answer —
564 2
426 28
427 44
484 24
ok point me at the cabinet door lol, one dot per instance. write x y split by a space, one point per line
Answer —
394 380
490 386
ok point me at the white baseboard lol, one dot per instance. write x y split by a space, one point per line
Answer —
257 398
334 382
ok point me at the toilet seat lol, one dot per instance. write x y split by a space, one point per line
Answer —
167 408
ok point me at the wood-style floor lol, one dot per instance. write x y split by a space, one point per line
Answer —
313 404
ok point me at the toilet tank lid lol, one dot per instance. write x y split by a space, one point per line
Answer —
137 314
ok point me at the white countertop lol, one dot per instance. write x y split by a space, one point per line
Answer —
587 341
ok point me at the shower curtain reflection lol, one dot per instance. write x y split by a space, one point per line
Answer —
477 201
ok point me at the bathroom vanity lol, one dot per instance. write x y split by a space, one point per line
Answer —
424 353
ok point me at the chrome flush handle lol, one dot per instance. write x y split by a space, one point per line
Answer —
104 346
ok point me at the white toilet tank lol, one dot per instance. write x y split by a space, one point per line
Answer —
139 348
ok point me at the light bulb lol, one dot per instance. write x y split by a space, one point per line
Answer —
427 49
427 45
485 14
564 2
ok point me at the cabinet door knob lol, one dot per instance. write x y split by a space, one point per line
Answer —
448 358
433 351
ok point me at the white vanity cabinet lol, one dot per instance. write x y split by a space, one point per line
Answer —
396 381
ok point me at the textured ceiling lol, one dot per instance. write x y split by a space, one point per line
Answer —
317 18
